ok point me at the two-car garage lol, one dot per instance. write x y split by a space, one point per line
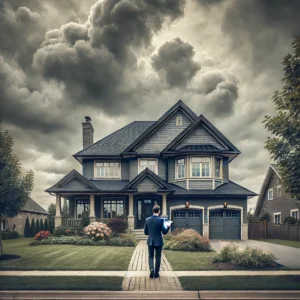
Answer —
188 218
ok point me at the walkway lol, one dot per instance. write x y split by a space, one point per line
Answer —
137 277
287 256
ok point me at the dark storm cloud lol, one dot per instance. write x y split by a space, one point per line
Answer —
175 63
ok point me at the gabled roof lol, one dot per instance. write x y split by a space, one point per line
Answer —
273 169
115 143
62 186
208 126
32 206
164 186
179 105
199 148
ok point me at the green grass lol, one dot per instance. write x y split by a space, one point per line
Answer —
241 283
182 261
283 242
64 257
60 283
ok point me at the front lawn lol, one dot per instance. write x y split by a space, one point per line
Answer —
61 283
64 257
283 242
287 282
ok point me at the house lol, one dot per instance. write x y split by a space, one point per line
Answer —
273 199
32 210
180 162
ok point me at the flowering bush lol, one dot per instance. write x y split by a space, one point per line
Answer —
44 234
97 231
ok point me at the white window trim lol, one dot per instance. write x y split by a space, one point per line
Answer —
276 214
107 161
2 224
278 187
150 158
201 177
293 210
272 194
221 168
176 168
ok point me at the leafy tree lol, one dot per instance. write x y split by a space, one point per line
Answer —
42 227
46 226
284 145
15 186
32 228
65 214
37 226
52 210
27 228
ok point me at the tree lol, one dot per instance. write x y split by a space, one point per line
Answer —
42 227
27 228
32 228
37 226
46 226
284 144
15 186
52 210
50 226
65 214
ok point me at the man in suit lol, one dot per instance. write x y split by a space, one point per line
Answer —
154 226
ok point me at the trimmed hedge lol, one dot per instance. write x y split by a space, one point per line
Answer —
9 235
117 225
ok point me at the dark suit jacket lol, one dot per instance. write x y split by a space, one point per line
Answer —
154 227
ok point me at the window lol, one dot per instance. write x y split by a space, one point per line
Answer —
232 214
113 208
180 168
201 167
295 213
194 214
270 194
82 205
3 225
216 213
178 121
218 167
279 191
107 169
277 218
179 214
151 164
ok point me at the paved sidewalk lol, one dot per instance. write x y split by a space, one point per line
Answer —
137 278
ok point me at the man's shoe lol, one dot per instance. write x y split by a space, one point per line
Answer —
156 276
151 273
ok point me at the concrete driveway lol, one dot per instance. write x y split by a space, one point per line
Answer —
287 256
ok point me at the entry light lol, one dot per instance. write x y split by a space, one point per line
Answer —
225 204
187 204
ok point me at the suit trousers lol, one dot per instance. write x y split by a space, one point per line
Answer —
158 250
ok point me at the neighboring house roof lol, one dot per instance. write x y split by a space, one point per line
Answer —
273 169
115 143
32 206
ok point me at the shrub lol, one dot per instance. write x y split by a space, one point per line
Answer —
32 228
51 225
27 228
85 221
97 231
44 234
46 224
9 235
37 226
289 220
188 240
42 227
265 216
247 258
117 225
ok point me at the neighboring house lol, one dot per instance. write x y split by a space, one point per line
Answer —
181 162
273 199
32 210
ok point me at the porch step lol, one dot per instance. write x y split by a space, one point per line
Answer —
139 234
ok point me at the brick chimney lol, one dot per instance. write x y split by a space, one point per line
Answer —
87 132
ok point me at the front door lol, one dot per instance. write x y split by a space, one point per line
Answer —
144 210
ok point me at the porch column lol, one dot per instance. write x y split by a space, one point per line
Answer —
164 206
130 215
58 219
92 208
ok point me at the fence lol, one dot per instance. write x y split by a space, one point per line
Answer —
263 230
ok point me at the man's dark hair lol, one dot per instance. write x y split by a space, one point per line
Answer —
156 209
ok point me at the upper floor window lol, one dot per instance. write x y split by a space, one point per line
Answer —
270 194
279 191
178 121
218 166
201 166
107 169
180 168
151 164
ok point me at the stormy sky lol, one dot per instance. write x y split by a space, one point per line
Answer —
123 60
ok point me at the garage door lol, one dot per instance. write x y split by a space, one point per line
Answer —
225 224
187 219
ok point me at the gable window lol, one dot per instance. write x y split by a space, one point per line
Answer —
178 121
277 218
279 191
201 166
180 168
295 213
151 164
107 169
82 205
113 208
218 165
270 194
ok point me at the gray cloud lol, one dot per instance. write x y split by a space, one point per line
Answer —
175 63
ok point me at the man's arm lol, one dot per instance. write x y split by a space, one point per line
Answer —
146 230
163 229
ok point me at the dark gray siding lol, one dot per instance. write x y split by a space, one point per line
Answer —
199 136
147 185
162 169
133 168
200 184
171 170
125 170
164 135
182 183
225 169
206 202
75 184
